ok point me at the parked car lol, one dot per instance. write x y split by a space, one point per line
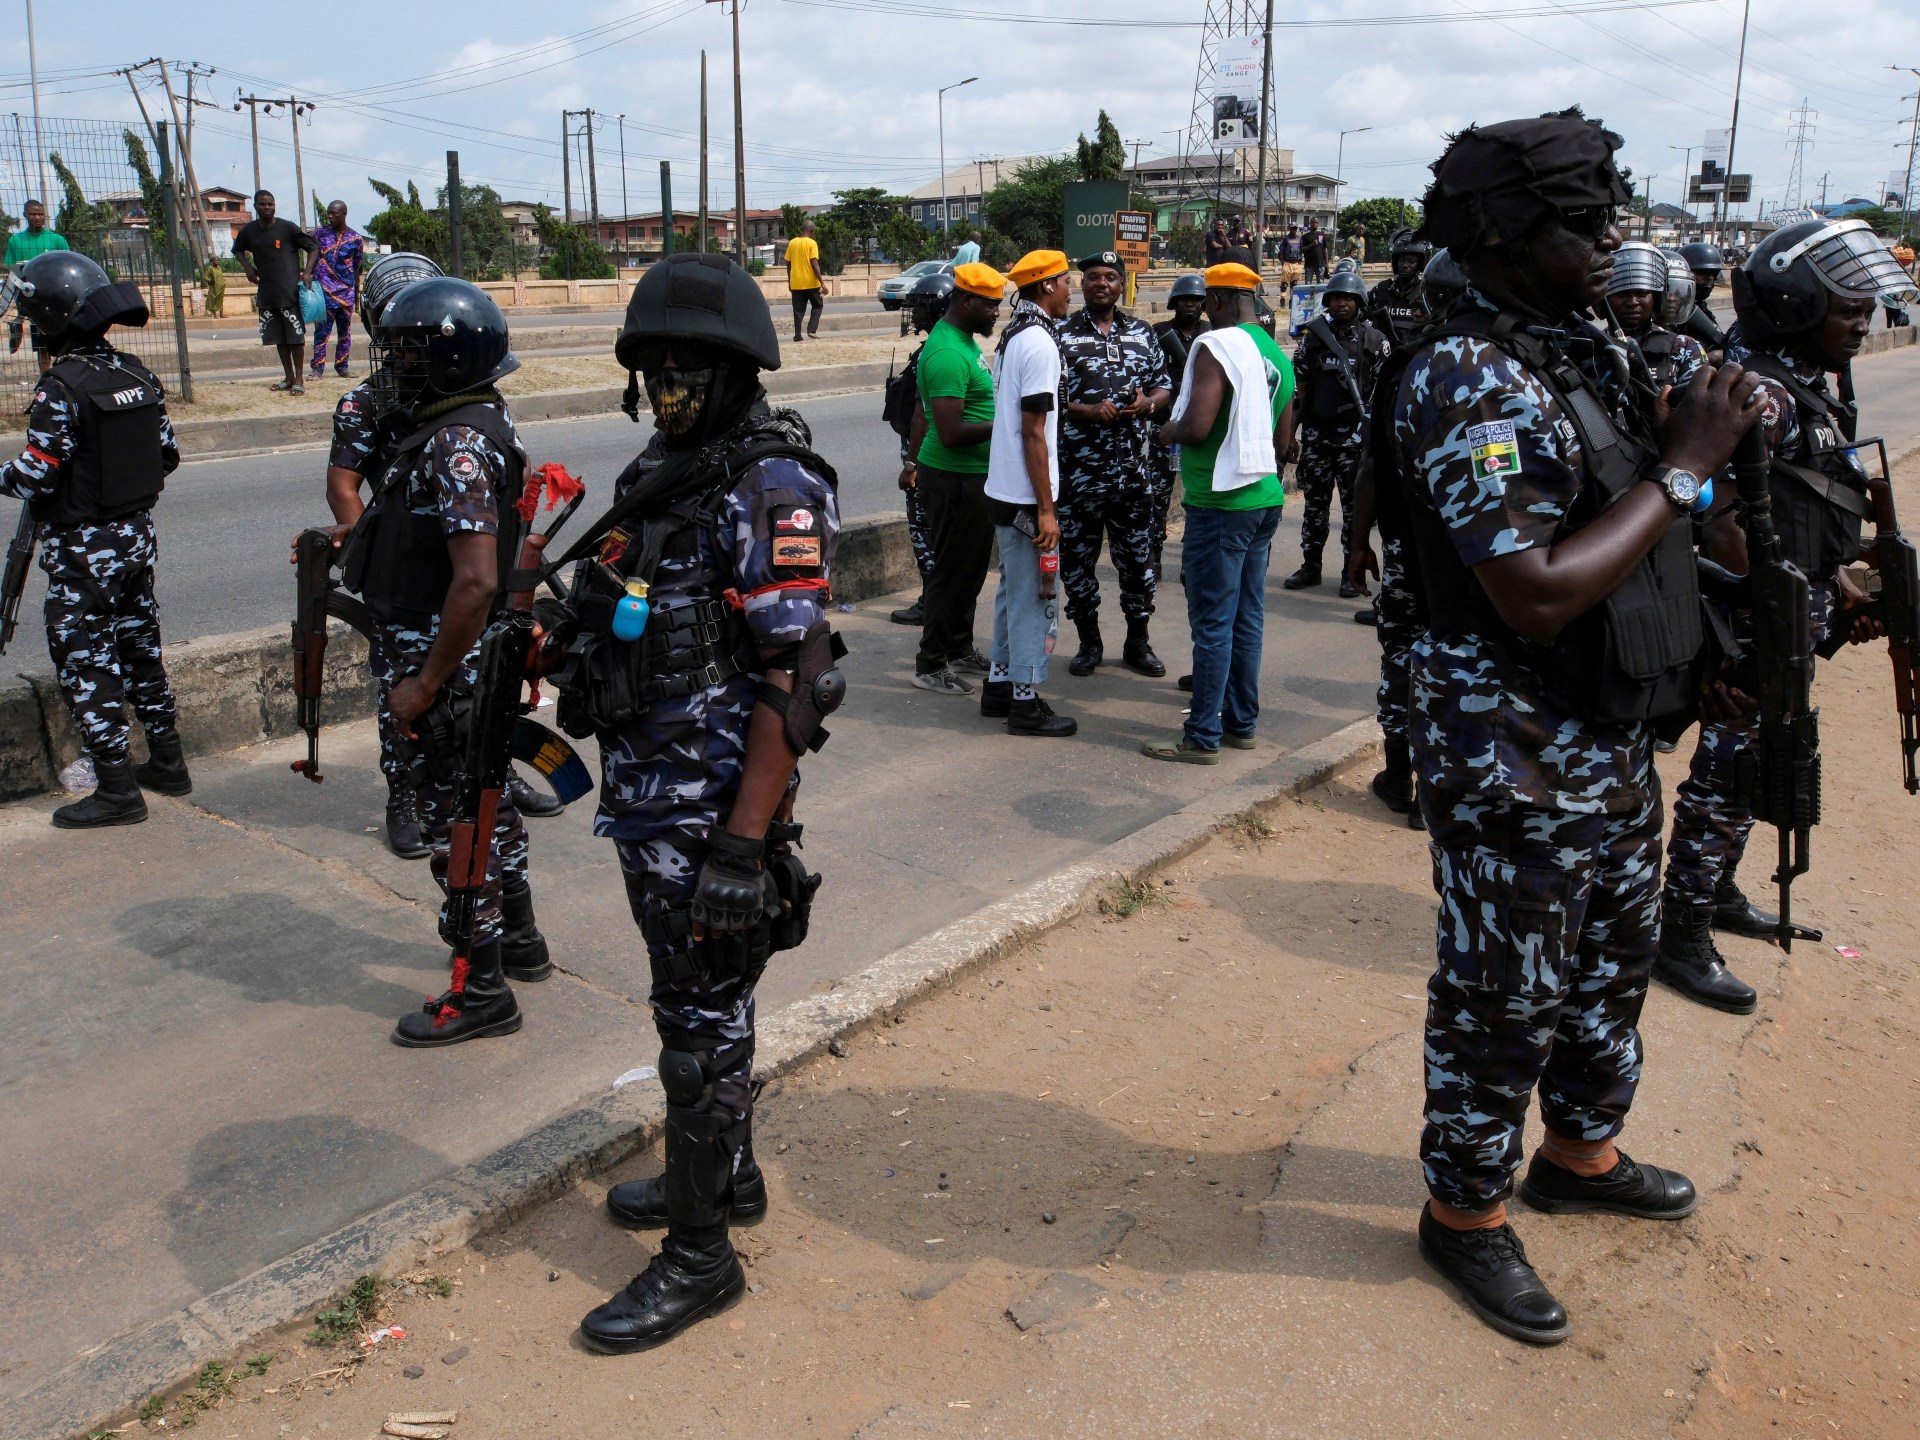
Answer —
893 293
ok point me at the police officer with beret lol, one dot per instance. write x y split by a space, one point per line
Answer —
99 448
1545 498
695 647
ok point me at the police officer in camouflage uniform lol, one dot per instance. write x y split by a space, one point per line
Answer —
727 523
1115 379
1176 334
99 447
1396 306
1805 301
1543 500
1337 360
1640 291
431 556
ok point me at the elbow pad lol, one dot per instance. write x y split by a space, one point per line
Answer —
818 687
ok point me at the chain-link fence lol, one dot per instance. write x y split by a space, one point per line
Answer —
105 196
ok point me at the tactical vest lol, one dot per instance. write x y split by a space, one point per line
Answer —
1817 506
397 559
1660 348
694 640
1400 313
1637 655
1176 347
1329 391
117 467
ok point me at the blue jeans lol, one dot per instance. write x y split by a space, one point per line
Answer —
1224 561
1023 623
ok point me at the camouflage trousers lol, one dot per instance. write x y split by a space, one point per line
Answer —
103 630
1548 925
917 535
702 991
1326 465
1120 511
393 760
1398 625
1711 820
1163 474
399 652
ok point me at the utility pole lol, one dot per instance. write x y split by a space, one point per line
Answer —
456 224
173 260
39 138
294 108
1913 138
666 208
253 103
566 167
196 211
173 105
1823 189
703 152
739 153
593 181
1260 169
1733 130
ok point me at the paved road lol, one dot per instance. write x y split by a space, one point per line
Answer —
224 524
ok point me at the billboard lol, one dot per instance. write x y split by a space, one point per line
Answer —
1092 206
1236 92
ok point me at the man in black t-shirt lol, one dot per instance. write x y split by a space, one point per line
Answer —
278 256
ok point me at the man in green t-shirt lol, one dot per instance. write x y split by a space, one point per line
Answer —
1233 423
22 246
950 444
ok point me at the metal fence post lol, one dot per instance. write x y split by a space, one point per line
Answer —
173 262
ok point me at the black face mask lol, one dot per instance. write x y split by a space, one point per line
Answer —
680 399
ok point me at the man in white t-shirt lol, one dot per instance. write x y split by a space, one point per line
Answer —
1023 484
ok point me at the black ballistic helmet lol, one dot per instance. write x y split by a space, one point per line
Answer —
931 293
442 337
62 290
1443 282
1194 285
387 277
703 298
1702 257
1347 282
1783 288
1408 242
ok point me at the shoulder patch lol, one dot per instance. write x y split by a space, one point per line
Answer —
1494 448
463 465
793 520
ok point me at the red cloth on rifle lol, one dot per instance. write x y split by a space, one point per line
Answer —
552 477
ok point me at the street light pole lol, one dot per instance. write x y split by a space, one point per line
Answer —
39 139
1339 163
1686 171
940 105
1913 138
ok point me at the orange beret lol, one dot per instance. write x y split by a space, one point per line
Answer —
1037 265
978 279
1231 276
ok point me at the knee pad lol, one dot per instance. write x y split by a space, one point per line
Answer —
690 1076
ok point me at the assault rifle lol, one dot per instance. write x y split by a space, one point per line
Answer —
1896 605
1784 782
315 599
13 584
482 774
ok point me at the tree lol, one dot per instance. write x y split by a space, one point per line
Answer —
792 218
84 223
1891 223
836 242
905 239
1106 157
1185 245
865 211
1030 207
1381 216
153 197
406 224
572 254
486 235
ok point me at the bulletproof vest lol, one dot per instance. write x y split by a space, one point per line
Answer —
1176 348
1636 656
117 467
1819 493
1334 377
1659 348
1398 312
1389 471
398 559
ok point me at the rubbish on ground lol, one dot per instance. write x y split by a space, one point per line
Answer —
1846 952
385 1332
642 1072
78 778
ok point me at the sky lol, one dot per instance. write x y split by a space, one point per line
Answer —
841 93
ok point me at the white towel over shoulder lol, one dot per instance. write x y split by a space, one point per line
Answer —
1246 454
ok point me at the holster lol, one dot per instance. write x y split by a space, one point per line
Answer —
795 885
741 955
434 756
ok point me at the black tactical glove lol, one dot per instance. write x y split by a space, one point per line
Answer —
732 893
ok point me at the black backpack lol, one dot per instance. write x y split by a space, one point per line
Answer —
901 393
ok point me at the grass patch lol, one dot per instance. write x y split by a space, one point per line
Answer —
1131 897
1251 826
344 1319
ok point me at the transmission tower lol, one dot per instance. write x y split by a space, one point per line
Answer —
1802 137
1225 18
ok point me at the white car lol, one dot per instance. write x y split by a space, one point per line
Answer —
893 293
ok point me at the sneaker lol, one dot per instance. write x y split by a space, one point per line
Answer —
941 682
973 662
1491 1270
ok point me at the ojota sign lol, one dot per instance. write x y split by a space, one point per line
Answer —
1091 207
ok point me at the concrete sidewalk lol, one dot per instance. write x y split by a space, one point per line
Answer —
200 1081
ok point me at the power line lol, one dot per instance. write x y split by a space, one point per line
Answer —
1356 22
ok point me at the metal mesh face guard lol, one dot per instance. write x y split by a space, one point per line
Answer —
1850 260
1638 266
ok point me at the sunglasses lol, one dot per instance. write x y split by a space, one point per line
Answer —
1593 221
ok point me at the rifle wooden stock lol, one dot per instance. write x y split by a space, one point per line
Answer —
484 764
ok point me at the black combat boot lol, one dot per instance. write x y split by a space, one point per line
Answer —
404 835
1036 717
523 949
914 614
116 801
696 1273
1348 590
1645 1192
1491 1269
642 1204
1087 659
1737 915
531 802
1691 963
1138 655
1394 784
480 1003
996 699
165 772
1305 578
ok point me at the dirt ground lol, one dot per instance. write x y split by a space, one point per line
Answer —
1155 1175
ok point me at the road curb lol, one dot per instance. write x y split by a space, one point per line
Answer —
505 1185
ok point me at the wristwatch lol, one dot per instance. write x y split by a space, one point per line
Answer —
1682 486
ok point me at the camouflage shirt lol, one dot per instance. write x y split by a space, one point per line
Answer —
53 431
674 775
1106 366
1489 449
361 443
